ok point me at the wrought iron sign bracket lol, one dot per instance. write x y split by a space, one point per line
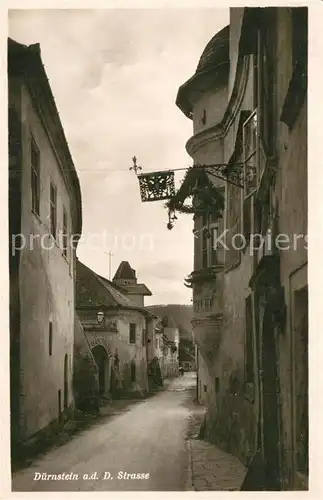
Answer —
158 186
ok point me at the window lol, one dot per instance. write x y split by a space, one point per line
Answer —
203 119
205 388
65 381
217 385
250 138
53 210
214 245
204 248
210 233
251 174
50 338
35 177
132 333
144 337
65 234
249 370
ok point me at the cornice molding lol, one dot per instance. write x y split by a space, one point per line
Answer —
220 130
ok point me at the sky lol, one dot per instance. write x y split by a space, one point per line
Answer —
115 74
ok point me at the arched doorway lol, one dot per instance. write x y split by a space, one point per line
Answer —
65 381
102 360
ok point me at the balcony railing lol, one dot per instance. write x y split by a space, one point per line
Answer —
205 274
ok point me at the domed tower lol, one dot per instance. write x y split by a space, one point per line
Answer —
203 99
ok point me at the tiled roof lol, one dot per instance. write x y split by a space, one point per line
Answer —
93 290
215 61
216 49
136 289
125 272
118 296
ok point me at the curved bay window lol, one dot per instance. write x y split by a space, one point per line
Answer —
258 129
209 237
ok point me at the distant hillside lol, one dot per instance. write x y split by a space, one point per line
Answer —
181 314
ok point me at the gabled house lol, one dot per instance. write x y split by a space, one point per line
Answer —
119 332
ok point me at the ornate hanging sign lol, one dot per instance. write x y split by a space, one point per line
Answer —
156 186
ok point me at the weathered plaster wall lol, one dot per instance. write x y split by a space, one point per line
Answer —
129 352
118 342
137 299
235 419
50 277
291 193
236 16
213 104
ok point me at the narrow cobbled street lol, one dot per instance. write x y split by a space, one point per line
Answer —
149 439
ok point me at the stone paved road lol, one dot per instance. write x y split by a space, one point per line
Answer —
214 469
148 439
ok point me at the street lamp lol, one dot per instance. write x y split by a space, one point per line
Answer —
100 317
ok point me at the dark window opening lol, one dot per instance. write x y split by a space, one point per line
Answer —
53 210
132 333
205 388
65 381
133 372
35 177
217 385
204 248
203 119
65 235
50 338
